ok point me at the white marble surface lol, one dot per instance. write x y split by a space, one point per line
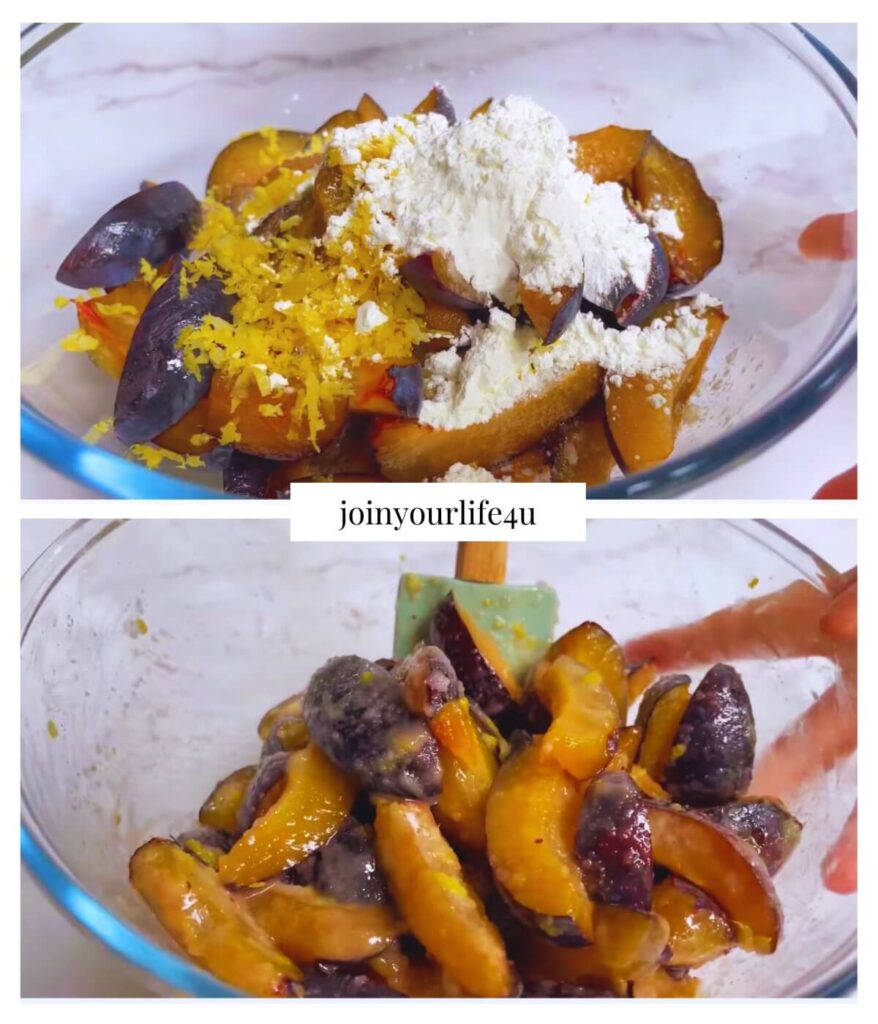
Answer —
763 133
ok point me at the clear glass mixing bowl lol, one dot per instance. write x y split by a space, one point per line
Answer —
767 114
238 618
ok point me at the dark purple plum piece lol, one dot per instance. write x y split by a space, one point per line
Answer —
153 225
155 389
561 931
408 389
270 771
421 275
765 824
328 981
248 475
712 759
347 867
443 105
614 843
428 680
356 713
565 316
205 836
288 733
564 990
634 307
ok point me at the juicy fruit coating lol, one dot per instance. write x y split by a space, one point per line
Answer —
441 910
585 717
610 153
288 707
477 661
316 800
712 759
710 857
307 925
663 180
220 809
357 715
247 160
196 910
613 843
593 647
414 451
156 389
659 717
765 824
531 822
700 931
153 225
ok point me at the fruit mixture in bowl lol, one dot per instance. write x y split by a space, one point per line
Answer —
407 298
438 825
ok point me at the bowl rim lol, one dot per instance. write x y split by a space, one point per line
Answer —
112 474
48 870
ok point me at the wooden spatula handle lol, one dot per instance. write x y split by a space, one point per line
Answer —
481 561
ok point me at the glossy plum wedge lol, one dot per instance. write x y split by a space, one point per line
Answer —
387 390
663 180
248 159
644 413
433 277
437 102
476 658
610 153
712 858
585 717
700 930
712 758
531 822
613 843
263 790
414 451
153 225
633 306
441 910
658 718
356 713
113 331
220 809
316 800
551 315
593 647
307 925
583 453
203 917
369 109
156 389
764 823
627 746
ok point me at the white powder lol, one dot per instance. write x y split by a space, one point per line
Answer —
330 344
369 316
501 195
461 473
350 273
277 380
282 304
506 362
663 222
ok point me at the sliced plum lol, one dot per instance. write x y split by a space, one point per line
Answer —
712 757
700 929
270 771
245 161
356 713
154 224
388 390
552 314
613 843
220 809
765 824
156 389
659 717
633 306
248 476
610 153
428 681
432 278
437 102
594 648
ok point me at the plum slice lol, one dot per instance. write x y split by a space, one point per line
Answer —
764 823
248 476
632 306
663 984
153 225
433 277
700 930
220 809
627 746
594 648
712 757
585 717
356 713
583 453
204 918
531 822
441 910
388 390
437 102
156 389
613 843
245 161
369 109
659 717
663 180
610 153
476 658
551 315
283 709
113 332
712 858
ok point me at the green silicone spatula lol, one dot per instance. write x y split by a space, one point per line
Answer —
520 619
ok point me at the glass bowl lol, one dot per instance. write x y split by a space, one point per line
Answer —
237 618
766 113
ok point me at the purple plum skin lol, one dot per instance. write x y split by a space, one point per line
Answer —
634 307
270 771
408 389
419 273
155 389
565 316
247 476
765 824
154 224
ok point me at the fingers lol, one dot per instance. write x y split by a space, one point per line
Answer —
840 864
812 745
840 620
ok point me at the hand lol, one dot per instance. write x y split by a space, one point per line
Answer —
798 621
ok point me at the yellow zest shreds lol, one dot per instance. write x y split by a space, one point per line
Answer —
61 301
297 299
147 271
95 293
116 309
79 341
152 456
198 440
268 410
96 432
229 434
